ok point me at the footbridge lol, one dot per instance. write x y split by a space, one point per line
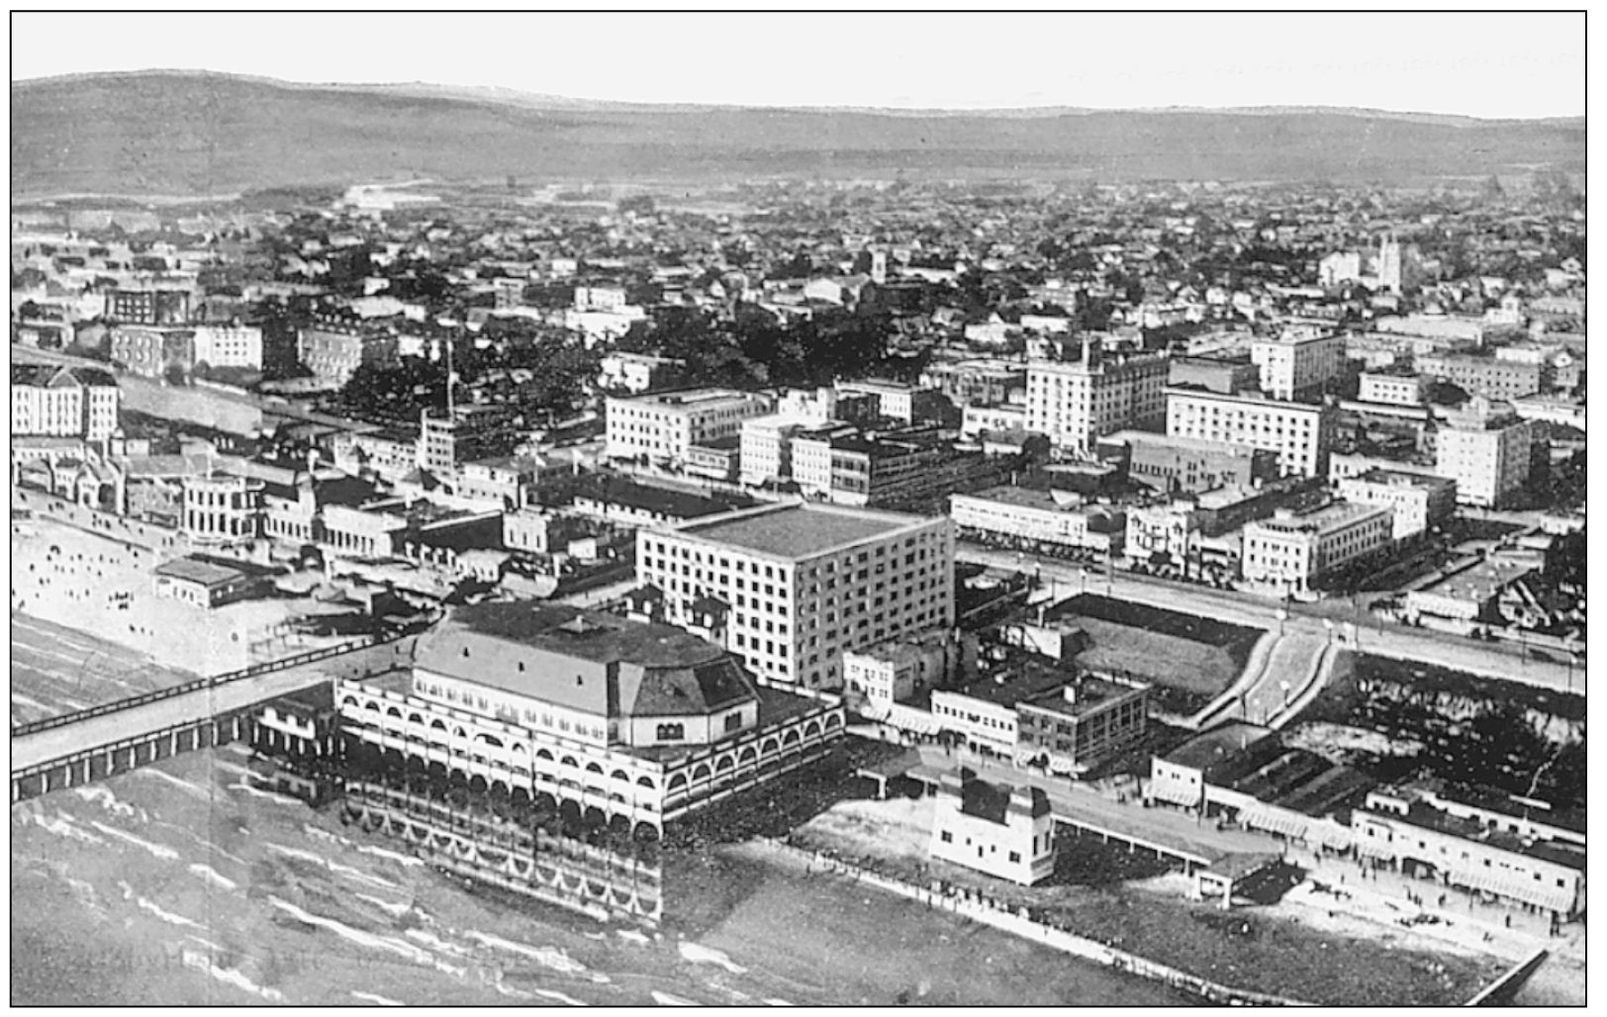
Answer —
94 743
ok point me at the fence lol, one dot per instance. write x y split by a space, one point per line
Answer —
195 686
1498 992
979 909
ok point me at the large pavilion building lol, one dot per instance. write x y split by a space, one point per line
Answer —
602 720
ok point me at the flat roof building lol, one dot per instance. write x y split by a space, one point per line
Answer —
1027 516
663 425
206 584
1290 550
800 583
1298 363
1299 433
1419 501
1070 729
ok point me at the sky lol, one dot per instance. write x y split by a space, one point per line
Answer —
1482 64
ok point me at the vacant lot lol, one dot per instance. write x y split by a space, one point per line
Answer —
1190 657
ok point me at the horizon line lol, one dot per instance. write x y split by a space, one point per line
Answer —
800 107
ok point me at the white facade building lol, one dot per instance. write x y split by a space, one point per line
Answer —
662 426
1488 457
228 345
1075 403
876 677
1394 389
801 583
1004 831
1298 363
1289 551
1418 501
67 402
1301 434
1047 517
605 722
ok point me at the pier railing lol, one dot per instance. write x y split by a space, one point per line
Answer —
200 684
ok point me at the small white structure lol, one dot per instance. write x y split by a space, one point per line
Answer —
1004 831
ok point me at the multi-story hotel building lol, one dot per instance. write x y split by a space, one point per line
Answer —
1298 363
1487 455
63 402
1419 501
797 584
664 425
1074 403
1291 550
599 720
1301 434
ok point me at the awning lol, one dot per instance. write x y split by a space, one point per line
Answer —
1331 834
1177 796
915 721
1274 820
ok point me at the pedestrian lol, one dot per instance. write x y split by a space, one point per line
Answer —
1509 921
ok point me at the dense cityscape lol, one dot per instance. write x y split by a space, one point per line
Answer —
441 592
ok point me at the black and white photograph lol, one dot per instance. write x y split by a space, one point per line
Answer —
743 509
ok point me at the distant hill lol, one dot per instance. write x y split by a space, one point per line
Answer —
174 132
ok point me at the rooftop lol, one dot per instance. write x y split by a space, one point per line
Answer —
194 570
575 632
1213 747
1428 817
1481 582
510 646
1400 478
1090 693
614 490
1029 679
1030 497
798 530
1319 520
1494 800
1180 442
692 397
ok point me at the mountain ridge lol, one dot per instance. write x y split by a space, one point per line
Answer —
201 131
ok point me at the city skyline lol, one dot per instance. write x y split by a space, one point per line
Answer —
1457 65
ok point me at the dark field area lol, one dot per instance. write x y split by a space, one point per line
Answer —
1189 658
1517 738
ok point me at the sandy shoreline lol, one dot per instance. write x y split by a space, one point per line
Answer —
1310 934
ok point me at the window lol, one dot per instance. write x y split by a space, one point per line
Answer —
733 721
1015 857
671 732
946 837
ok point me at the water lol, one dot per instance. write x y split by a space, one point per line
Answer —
206 884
